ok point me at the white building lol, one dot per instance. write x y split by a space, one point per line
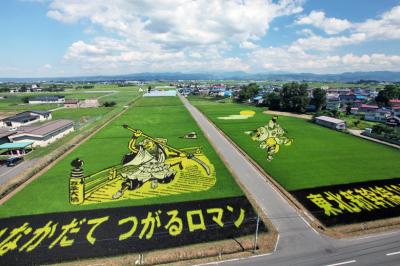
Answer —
43 135
331 122
47 99
160 93
25 118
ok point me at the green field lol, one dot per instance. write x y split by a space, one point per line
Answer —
14 102
160 117
318 157
79 114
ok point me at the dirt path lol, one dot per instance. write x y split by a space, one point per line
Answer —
302 116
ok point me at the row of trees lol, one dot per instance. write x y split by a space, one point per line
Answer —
248 92
85 87
294 98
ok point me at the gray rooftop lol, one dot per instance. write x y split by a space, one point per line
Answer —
5 133
330 119
25 116
45 129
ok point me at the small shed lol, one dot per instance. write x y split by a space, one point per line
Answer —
331 122
71 103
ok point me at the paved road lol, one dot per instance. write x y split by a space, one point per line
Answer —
357 133
298 243
6 173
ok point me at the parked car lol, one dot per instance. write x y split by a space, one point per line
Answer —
14 161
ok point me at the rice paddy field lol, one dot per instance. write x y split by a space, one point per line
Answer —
14 102
163 117
318 157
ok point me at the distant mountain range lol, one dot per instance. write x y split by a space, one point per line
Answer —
238 75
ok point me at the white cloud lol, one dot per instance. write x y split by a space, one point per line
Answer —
385 27
248 45
148 33
177 23
315 42
292 60
329 25
180 35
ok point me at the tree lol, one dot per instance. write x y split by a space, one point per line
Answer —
25 100
149 89
248 92
381 129
273 101
294 97
388 93
319 98
348 109
109 104
23 88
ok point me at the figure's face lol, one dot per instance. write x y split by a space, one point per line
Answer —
260 134
149 145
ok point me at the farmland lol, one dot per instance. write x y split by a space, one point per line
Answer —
318 157
15 102
165 118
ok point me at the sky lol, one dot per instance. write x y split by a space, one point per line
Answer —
56 38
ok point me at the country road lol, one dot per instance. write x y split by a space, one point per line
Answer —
7 173
298 243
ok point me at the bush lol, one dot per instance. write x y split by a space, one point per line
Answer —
382 129
109 104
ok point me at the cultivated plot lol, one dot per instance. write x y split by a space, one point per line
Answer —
148 180
314 163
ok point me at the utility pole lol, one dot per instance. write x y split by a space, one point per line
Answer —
256 234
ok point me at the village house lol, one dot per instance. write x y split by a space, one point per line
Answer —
338 91
394 102
396 111
347 98
366 108
379 115
25 118
393 121
4 133
358 103
43 135
354 110
332 103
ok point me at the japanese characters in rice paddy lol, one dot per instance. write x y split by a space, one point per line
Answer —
271 137
152 168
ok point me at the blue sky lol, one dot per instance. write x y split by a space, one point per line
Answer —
74 38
